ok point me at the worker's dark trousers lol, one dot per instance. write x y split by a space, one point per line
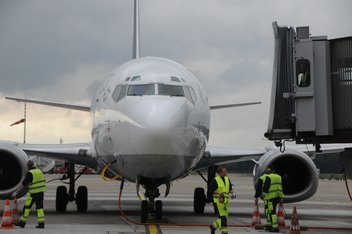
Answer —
38 199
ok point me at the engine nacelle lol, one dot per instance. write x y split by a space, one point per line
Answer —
298 171
13 168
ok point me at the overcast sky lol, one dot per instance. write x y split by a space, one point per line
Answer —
61 50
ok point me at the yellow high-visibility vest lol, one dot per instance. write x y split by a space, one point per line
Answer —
275 189
222 188
38 182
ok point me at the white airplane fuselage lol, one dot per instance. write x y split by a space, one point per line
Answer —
151 116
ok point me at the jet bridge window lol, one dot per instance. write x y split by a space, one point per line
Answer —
303 72
119 92
140 90
170 90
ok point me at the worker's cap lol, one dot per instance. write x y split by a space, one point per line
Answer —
270 168
30 163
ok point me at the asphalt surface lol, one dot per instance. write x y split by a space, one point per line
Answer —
330 208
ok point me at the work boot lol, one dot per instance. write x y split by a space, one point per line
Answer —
21 224
275 230
212 229
40 225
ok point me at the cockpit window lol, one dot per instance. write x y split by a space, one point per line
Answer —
140 90
173 78
135 78
193 94
187 94
119 92
170 90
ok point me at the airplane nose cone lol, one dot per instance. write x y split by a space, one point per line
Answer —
160 127
161 114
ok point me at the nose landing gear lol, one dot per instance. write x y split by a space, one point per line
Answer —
150 206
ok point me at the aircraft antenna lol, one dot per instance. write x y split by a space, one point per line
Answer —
136 30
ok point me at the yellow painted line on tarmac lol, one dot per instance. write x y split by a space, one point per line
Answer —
153 229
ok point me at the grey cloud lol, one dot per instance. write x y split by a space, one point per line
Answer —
43 41
50 46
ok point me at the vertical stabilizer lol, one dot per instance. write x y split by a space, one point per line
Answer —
136 30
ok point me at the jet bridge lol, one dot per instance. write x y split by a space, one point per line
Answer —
311 98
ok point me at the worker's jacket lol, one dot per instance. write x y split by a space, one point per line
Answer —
275 189
38 182
223 188
262 178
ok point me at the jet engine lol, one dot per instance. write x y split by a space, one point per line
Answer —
13 168
298 171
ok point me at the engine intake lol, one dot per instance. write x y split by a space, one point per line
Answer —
298 171
12 168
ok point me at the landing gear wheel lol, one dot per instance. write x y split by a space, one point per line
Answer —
199 201
158 210
82 199
61 199
144 211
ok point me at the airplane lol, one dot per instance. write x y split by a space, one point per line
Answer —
150 124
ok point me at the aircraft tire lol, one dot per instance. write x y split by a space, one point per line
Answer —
82 199
144 211
199 201
61 199
158 210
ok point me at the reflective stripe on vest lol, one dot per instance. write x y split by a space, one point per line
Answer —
275 189
38 182
222 188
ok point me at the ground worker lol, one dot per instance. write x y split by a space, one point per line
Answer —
36 187
273 194
220 189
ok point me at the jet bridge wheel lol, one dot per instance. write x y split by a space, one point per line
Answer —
61 199
199 201
82 199
144 211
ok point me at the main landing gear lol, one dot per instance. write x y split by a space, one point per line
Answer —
62 197
199 198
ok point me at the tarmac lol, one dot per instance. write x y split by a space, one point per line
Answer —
330 208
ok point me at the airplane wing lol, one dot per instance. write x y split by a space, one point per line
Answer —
220 155
56 104
233 105
83 153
